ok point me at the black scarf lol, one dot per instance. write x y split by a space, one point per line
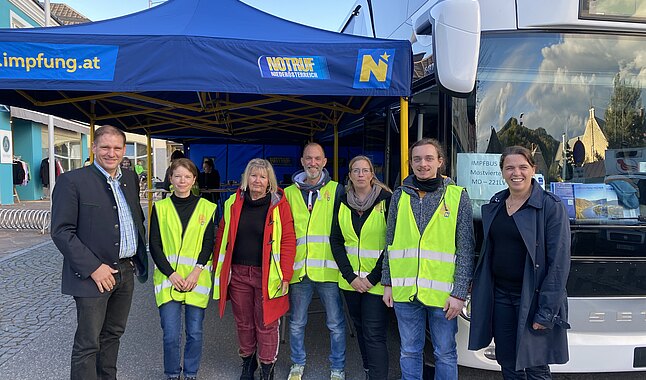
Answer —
429 185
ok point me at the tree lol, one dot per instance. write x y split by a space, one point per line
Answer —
624 116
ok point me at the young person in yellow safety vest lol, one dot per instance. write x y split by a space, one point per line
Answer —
255 247
428 263
312 198
182 235
358 239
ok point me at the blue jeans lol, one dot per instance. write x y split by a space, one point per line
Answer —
300 296
171 322
411 320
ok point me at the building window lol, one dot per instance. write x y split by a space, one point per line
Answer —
136 152
69 154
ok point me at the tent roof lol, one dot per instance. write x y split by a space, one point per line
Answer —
190 68
207 18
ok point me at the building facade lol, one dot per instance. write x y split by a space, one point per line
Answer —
28 129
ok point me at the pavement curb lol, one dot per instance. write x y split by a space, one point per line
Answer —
25 250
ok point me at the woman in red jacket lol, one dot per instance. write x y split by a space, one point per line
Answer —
254 250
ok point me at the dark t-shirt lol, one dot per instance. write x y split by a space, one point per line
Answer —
508 252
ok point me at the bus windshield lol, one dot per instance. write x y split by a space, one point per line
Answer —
576 100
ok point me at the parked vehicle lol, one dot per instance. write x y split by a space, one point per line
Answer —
565 78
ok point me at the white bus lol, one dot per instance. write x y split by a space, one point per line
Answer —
566 78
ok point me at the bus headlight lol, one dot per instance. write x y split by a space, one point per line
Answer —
466 309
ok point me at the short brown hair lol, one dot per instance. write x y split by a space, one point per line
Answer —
184 163
520 150
309 144
108 130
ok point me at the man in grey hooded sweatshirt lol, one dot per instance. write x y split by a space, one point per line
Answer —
312 199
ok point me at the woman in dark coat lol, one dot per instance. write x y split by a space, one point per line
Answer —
518 296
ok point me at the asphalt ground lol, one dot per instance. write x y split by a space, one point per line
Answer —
37 325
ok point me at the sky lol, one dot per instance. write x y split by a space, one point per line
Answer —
324 14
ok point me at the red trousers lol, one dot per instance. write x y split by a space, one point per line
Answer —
245 291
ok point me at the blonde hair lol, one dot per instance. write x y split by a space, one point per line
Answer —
373 181
262 164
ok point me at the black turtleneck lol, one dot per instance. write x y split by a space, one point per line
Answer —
247 249
428 185
185 208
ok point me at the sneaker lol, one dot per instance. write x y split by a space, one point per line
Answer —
296 372
337 374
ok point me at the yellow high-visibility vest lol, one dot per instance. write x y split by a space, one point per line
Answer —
275 280
364 250
422 266
314 257
182 252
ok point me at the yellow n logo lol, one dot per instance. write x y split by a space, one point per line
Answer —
369 66
374 68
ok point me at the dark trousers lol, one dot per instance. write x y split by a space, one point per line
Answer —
100 323
370 318
505 326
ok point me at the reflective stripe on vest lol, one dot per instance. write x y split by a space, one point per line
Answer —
314 257
275 280
364 250
182 252
422 267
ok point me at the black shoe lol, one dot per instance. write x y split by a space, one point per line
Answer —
267 371
249 366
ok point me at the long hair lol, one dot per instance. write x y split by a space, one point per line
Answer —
260 164
429 141
373 181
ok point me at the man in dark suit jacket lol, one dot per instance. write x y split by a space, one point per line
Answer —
97 224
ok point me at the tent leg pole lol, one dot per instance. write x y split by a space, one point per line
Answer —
92 124
52 159
336 152
403 136
420 126
149 178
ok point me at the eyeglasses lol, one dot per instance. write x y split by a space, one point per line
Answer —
358 171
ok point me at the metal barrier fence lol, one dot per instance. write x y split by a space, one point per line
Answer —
25 219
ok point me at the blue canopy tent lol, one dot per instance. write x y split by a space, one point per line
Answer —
196 69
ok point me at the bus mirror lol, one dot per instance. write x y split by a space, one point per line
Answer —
455 26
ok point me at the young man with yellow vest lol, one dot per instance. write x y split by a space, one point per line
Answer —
182 235
312 198
358 240
428 264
